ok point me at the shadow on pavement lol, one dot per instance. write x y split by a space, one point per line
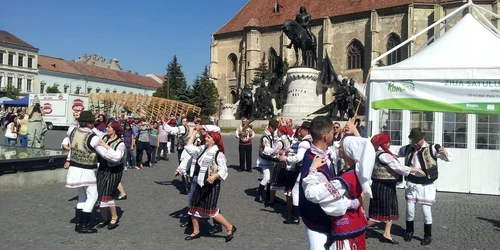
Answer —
496 223
176 183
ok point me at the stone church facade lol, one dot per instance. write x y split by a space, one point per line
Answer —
352 33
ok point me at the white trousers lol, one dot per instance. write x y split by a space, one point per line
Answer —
87 197
316 240
426 210
295 192
266 171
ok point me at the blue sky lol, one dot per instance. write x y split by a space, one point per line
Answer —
143 35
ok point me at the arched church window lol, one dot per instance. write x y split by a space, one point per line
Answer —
232 65
234 97
393 41
272 59
355 55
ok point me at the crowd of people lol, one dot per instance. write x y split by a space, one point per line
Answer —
25 127
324 170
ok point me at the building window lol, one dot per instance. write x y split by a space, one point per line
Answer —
273 59
65 90
355 55
395 56
487 131
9 81
1 57
30 62
11 59
391 123
232 65
20 61
425 121
1 82
28 85
20 84
455 130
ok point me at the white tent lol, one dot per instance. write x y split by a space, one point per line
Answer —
451 89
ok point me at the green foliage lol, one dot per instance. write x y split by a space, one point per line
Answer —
262 72
204 94
11 92
178 85
52 89
282 94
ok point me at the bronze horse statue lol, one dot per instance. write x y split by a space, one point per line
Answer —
300 39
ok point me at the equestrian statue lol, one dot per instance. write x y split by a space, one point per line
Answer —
301 37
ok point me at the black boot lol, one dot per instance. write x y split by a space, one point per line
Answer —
294 217
427 235
78 224
268 192
260 194
409 231
188 223
85 227
217 228
184 183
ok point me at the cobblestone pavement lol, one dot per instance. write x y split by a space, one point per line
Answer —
38 218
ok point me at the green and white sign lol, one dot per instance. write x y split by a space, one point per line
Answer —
458 96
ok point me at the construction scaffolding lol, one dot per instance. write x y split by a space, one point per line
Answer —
149 107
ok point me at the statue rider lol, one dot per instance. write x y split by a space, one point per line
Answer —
303 19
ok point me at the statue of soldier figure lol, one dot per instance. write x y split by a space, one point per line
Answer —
263 106
301 37
353 97
303 19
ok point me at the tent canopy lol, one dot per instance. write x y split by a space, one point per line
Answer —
3 99
19 102
468 50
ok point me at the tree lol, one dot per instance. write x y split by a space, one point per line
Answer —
175 84
282 93
262 72
11 92
52 89
205 94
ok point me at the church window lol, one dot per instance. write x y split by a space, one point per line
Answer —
273 56
355 55
395 56
232 65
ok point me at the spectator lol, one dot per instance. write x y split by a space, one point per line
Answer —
23 121
172 123
11 131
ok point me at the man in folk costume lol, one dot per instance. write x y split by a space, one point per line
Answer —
266 159
81 163
245 134
294 160
182 132
388 171
316 192
419 188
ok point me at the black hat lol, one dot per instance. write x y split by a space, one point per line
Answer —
86 116
190 115
416 134
306 125
274 123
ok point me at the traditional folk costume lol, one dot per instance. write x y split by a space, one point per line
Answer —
346 217
388 171
110 172
294 160
203 203
245 146
421 189
84 148
36 127
266 159
278 177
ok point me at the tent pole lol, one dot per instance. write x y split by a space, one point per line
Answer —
489 24
420 33
487 11
438 32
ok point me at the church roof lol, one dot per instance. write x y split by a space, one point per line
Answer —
6 37
87 70
261 11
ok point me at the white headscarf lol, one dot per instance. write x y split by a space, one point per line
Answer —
361 150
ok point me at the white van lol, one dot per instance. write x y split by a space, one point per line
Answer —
59 107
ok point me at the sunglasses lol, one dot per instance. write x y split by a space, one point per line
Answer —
336 127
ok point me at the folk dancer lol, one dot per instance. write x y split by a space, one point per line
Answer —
110 173
278 175
81 163
388 171
266 160
210 170
315 187
294 160
419 188
245 134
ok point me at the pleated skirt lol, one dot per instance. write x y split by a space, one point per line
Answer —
291 178
204 200
107 183
278 176
384 204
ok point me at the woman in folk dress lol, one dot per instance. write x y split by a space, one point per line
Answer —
210 170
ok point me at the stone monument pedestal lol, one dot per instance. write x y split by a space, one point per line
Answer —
302 98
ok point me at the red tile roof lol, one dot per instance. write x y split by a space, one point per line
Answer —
6 37
262 10
70 67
